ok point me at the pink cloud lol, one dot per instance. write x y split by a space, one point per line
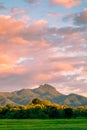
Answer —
36 53
35 31
38 27
18 13
65 3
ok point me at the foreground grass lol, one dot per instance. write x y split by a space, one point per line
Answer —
55 124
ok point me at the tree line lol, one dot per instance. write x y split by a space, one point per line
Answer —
41 109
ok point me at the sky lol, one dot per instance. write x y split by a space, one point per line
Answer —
43 42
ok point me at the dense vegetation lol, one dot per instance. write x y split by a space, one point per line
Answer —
41 109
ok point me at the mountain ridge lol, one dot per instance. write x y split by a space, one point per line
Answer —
46 91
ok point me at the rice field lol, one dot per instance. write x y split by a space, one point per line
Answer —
36 124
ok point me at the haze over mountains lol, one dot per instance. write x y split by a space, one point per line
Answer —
25 96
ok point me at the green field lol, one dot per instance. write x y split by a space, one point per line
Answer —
52 124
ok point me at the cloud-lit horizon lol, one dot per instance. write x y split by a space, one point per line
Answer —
43 41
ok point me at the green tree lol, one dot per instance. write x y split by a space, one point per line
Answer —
36 101
68 112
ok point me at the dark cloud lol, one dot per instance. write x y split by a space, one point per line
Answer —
2 6
81 18
32 1
77 18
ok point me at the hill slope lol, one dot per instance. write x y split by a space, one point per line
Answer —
25 96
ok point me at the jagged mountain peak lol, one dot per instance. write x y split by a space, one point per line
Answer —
47 87
47 91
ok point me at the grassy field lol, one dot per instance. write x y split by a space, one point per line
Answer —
55 124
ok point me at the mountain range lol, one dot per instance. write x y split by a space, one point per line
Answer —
46 91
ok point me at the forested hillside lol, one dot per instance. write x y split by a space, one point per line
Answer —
41 109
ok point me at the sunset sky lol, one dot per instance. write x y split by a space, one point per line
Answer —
43 41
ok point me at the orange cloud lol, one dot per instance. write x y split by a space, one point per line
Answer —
84 71
61 66
65 3
8 69
6 63
4 59
43 77
9 26
18 40
65 66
